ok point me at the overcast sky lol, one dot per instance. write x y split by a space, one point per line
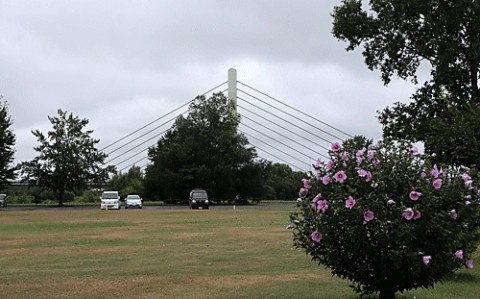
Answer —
122 64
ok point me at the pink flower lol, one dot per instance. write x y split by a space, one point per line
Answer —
467 179
469 264
350 202
417 214
376 163
453 214
359 156
313 205
468 184
408 213
435 171
362 173
437 184
414 150
326 180
368 177
415 195
360 153
336 147
307 184
359 160
427 259
423 175
368 216
340 176
318 163
322 205
302 193
316 236
329 165
345 156
459 254
370 154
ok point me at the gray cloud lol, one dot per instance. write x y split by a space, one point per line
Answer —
122 64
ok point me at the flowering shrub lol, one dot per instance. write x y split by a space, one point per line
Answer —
385 218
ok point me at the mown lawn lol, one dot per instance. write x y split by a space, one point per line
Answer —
170 254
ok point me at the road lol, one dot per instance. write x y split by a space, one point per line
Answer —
266 205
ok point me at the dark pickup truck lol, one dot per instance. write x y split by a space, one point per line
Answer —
198 198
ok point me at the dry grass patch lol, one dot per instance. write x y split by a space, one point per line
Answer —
151 287
162 254
91 254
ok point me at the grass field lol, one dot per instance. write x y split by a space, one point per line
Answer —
170 254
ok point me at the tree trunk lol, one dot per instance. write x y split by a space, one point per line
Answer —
60 197
387 294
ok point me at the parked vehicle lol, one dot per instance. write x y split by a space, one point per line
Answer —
110 200
3 200
198 198
133 200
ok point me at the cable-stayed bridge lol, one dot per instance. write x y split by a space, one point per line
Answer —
279 132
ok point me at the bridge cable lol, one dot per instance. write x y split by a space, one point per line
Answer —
270 105
276 148
143 135
286 137
288 130
282 143
178 108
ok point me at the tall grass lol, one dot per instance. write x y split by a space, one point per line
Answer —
170 254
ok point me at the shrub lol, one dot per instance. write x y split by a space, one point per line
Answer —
385 218
88 196
21 199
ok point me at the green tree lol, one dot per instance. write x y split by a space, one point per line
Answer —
397 37
202 150
68 159
128 183
283 181
251 181
7 143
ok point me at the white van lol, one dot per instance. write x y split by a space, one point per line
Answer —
110 200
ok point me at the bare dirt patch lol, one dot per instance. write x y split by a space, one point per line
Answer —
146 286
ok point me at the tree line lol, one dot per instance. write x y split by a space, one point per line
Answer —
202 150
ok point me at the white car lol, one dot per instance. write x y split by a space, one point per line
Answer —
3 200
110 200
133 200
